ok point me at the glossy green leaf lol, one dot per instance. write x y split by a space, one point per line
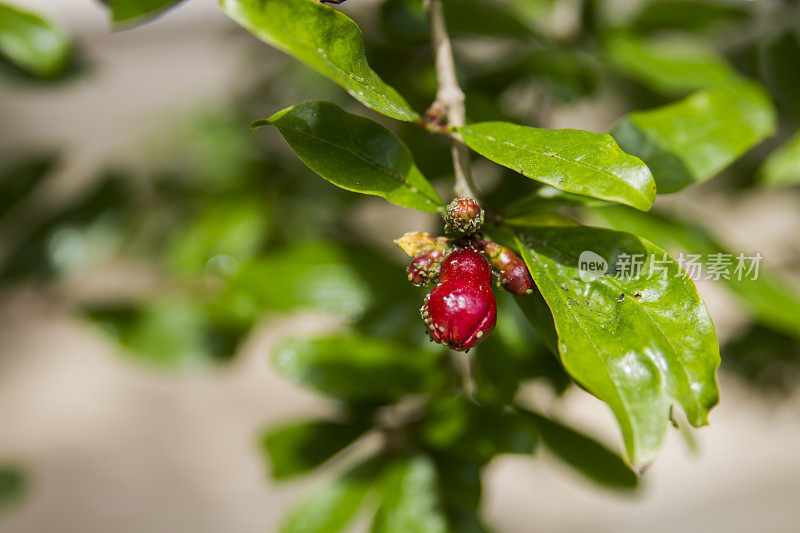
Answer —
324 39
588 456
782 167
474 433
688 15
409 498
769 299
575 161
669 66
692 140
33 43
12 484
331 507
354 153
637 341
298 447
129 13
360 369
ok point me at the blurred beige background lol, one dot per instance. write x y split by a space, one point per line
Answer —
111 446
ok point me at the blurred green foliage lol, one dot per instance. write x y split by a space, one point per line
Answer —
235 231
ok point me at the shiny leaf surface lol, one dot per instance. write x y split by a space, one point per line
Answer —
769 299
637 341
354 153
33 43
581 162
324 39
692 140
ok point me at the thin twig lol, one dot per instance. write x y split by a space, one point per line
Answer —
450 97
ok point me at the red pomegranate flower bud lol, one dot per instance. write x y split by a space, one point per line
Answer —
463 217
425 268
460 313
466 264
514 275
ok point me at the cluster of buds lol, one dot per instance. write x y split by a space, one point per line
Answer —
461 311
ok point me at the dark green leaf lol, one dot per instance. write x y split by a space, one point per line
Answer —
474 433
32 43
766 359
12 484
575 161
360 369
324 39
692 140
21 175
409 498
782 167
299 447
641 342
331 507
779 59
129 13
769 299
689 15
354 153
669 66
589 457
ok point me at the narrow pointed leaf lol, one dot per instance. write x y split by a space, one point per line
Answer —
33 43
324 39
332 506
581 162
692 140
354 153
782 167
410 498
641 342
299 447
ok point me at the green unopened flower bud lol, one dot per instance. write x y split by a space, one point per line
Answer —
463 217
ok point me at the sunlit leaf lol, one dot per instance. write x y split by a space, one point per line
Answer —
669 66
770 299
331 507
782 167
639 340
692 140
409 498
129 13
354 153
33 43
324 39
575 161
